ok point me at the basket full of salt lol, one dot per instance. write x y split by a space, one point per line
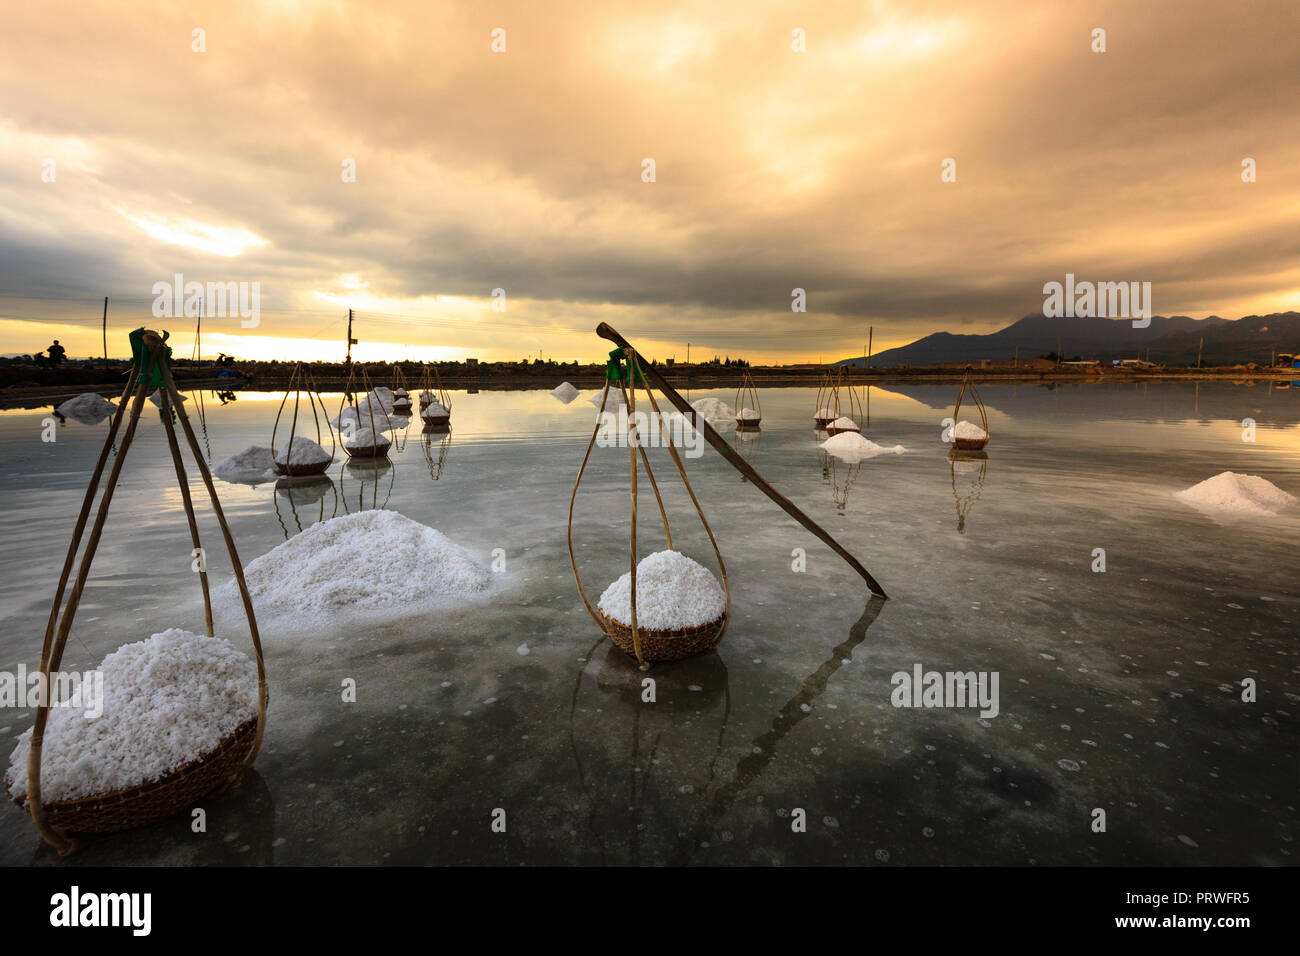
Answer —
967 436
179 715
667 606
297 455
749 413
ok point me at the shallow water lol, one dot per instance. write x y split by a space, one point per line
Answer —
1118 690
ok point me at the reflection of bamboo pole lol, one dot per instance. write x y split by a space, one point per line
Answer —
763 749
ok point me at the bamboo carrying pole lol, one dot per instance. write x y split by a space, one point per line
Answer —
605 331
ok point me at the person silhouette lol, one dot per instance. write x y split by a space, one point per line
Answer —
56 353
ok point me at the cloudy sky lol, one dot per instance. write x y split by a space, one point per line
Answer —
523 170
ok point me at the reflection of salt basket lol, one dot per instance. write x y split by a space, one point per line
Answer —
300 381
647 644
967 469
218 768
970 444
749 413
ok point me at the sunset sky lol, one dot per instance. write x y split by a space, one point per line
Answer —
522 170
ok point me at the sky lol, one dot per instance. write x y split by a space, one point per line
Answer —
794 146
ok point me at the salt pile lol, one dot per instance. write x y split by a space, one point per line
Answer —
434 410
565 392
248 467
166 701
364 438
720 415
426 398
87 408
851 446
371 561
364 414
824 414
969 430
304 453
843 424
613 400
672 592
747 414
382 396
157 401
1231 493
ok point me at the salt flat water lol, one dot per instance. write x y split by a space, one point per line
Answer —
1119 691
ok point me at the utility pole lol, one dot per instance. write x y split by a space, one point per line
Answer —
351 340
871 331
688 353
105 331
1199 349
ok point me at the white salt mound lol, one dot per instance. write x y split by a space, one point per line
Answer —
747 414
845 424
824 414
304 452
157 401
368 561
713 409
434 410
612 401
426 397
368 413
382 396
672 592
87 408
1232 493
851 446
365 438
969 430
247 467
167 700
565 392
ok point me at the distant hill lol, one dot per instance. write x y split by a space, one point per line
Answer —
1172 340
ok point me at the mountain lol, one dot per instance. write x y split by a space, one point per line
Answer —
1173 340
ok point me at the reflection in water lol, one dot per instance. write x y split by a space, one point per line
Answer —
843 475
366 476
747 442
436 459
246 810
968 470
765 745
695 686
301 494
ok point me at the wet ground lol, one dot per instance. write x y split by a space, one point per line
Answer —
1118 690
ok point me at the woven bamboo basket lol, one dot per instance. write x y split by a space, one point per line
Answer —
131 807
369 451
747 400
659 645
968 385
832 431
300 381
60 821
376 423
647 645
